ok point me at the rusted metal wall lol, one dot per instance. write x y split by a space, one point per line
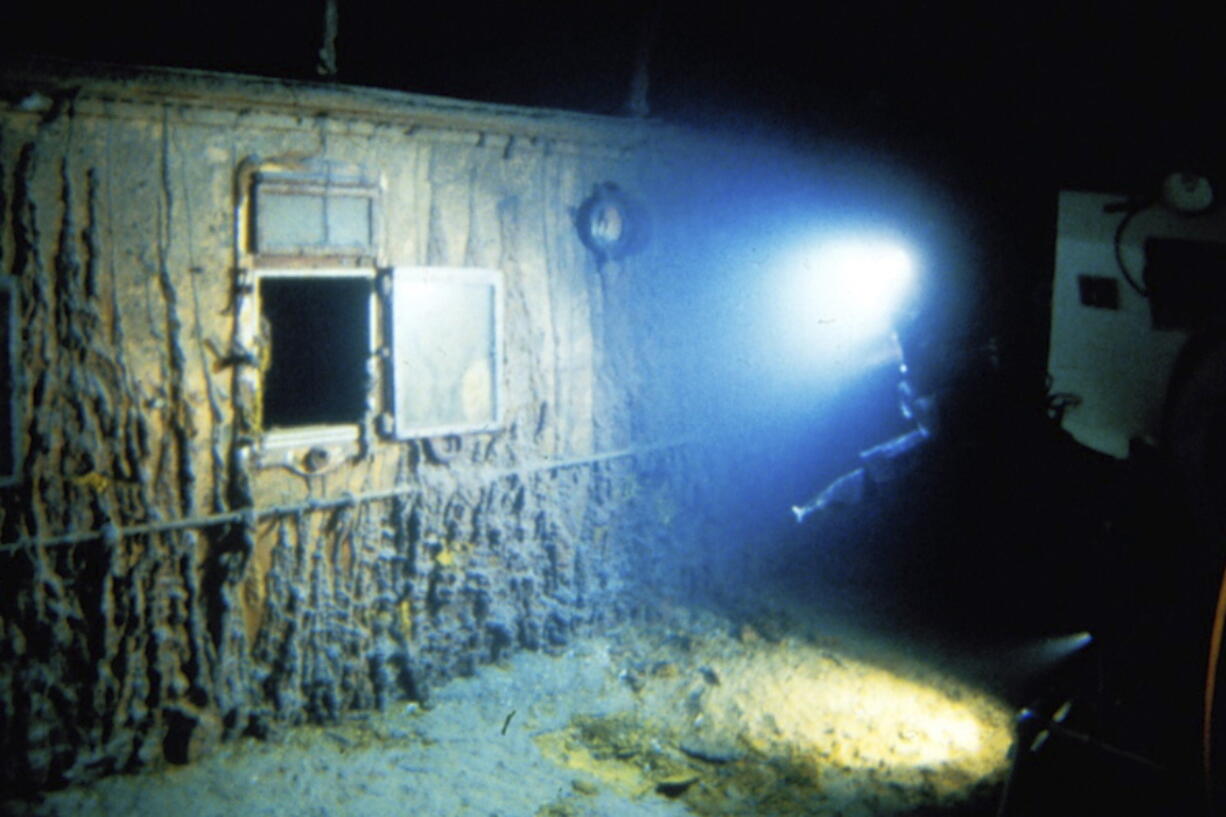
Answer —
159 591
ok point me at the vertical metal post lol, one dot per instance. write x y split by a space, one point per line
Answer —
327 53
637 103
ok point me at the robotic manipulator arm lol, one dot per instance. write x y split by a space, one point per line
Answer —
932 379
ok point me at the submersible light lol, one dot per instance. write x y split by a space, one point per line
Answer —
1056 649
1069 644
858 283
1039 660
841 295
1044 654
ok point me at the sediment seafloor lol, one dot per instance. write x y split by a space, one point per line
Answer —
690 712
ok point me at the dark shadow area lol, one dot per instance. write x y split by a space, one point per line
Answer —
1002 545
320 342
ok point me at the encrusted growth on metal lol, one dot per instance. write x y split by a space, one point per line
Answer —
149 640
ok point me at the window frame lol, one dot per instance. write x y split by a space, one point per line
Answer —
322 433
396 331
307 177
308 186
339 442
303 448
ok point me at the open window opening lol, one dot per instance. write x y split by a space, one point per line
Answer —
308 238
318 329
308 233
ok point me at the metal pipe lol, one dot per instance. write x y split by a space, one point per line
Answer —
1027 717
1057 728
111 532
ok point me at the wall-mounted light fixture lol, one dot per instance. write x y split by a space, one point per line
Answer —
610 224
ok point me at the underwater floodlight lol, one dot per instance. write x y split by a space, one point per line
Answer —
842 295
1040 657
1078 640
1060 647
859 282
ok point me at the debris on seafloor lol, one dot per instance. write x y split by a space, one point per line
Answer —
631 679
799 723
562 807
740 725
711 749
675 788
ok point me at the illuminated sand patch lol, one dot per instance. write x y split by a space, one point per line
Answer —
789 728
846 714
639 722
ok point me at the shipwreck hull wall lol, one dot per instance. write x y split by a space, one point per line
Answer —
160 589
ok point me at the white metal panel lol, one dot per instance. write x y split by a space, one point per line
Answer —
446 333
1112 360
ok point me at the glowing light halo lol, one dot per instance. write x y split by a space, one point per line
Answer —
846 714
883 719
841 292
859 281
1042 654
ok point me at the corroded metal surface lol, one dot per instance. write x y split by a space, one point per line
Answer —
125 650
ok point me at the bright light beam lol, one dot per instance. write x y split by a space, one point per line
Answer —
1041 656
843 295
841 713
859 283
